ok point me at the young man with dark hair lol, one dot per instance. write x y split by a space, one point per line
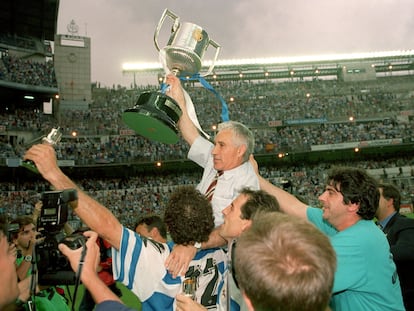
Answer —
238 217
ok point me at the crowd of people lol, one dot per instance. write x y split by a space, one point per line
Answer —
232 207
132 197
18 70
284 117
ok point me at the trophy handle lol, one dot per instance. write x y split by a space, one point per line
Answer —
174 28
213 63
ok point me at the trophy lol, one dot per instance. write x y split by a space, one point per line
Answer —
155 114
53 138
190 287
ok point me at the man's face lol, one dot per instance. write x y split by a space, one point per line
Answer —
26 236
334 209
233 225
383 205
226 155
8 277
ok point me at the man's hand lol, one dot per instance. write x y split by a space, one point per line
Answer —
178 261
44 156
91 259
175 91
185 303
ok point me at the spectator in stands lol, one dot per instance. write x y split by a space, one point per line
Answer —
153 227
283 263
138 261
238 217
400 234
225 164
366 277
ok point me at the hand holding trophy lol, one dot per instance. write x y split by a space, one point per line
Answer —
155 114
53 138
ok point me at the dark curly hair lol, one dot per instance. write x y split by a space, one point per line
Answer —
189 216
356 186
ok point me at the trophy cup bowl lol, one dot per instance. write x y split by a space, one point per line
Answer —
155 114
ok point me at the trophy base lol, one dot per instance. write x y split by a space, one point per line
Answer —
30 166
154 117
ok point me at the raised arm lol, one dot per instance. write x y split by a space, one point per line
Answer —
187 128
288 202
93 214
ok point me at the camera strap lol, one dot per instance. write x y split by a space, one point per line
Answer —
78 273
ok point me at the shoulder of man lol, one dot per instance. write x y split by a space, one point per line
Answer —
402 221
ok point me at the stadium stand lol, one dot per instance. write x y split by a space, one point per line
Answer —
302 126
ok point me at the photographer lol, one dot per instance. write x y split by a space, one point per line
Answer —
25 240
103 296
12 294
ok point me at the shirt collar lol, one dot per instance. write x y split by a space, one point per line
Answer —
385 221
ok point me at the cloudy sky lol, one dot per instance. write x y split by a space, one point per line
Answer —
122 30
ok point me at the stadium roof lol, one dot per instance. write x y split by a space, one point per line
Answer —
29 18
282 67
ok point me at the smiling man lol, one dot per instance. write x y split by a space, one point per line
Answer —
225 163
229 155
238 217
366 277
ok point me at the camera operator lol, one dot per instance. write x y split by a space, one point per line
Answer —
87 267
25 239
12 294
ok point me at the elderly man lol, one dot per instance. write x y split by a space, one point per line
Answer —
226 168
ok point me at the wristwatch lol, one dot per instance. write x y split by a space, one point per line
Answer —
28 258
197 245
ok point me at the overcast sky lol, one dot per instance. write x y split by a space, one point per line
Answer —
122 30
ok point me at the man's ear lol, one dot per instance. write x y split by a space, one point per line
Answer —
353 207
154 233
242 150
246 224
247 301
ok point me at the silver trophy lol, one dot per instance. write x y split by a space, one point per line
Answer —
190 287
155 114
53 138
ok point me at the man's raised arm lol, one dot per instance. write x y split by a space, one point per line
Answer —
97 217
187 128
